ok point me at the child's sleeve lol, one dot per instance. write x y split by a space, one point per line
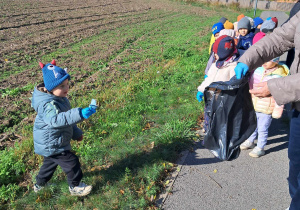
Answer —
231 73
212 40
77 132
210 62
239 44
209 79
205 83
52 117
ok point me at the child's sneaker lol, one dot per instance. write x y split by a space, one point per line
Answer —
81 190
37 187
247 145
257 152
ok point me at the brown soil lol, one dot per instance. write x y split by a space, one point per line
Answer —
32 29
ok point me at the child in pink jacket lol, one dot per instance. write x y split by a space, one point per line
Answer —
266 108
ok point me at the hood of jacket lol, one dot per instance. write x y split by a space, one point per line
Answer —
276 72
39 97
282 70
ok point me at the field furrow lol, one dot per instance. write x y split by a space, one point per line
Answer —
80 72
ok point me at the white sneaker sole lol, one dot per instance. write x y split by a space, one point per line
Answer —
86 192
255 155
245 148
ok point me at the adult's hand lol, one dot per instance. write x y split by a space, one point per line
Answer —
261 90
240 69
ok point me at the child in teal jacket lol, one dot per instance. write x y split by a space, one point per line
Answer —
55 126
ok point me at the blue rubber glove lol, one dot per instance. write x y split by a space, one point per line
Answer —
205 76
199 96
87 112
240 69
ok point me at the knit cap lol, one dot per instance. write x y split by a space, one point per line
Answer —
228 25
223 20
275 20
235 26
251 22
228 32
224 47
244 23
257 21
53 75
267 26
258 36
217 28
240 17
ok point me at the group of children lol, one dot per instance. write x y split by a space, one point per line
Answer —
228 42
55 123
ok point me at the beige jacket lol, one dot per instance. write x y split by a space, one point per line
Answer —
286 89
214 74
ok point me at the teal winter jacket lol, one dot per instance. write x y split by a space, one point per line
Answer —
55 123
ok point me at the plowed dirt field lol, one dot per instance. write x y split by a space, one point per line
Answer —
34 29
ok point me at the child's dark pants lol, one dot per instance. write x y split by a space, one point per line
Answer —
69 163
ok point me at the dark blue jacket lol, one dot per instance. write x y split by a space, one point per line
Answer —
245 41
55 123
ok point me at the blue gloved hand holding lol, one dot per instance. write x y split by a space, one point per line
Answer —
87 112
240 69
199 96
205 76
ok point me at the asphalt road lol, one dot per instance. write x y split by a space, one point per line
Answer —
204 182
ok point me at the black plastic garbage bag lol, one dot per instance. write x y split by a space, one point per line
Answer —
232 117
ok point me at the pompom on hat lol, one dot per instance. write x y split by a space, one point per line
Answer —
217 28
275 20
224 47
53 75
